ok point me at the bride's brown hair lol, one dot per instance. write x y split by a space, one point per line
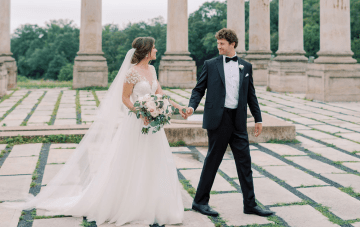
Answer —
143 46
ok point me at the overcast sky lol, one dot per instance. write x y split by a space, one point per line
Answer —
119 12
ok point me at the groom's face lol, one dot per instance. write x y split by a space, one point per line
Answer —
224 47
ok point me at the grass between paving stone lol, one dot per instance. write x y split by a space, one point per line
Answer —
16 140
283 141
24 123
56 108
94 88
334 219
96 97
7 96
311 186
48 217
14 106
41 139
337 163
78 108
85 223
304 202
31 84
64 148
187 186
355 152
177 144
350 191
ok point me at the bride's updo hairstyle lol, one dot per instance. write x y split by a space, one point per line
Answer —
143 46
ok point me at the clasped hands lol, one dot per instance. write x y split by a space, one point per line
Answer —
189 112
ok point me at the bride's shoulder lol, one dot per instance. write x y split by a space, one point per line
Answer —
132 76
154 70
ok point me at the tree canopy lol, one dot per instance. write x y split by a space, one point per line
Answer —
49 52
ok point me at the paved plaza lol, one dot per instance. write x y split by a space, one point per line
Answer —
314 181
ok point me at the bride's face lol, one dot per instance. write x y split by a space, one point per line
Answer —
153 53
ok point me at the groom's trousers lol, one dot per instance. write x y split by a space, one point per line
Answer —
218 141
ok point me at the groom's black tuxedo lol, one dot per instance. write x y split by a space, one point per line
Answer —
225 126
212 78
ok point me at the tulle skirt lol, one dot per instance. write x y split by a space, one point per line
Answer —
136 183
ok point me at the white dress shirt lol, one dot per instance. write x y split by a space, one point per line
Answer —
232 80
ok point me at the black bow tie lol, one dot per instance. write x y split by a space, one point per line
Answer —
227 59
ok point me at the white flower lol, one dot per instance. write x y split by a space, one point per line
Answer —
241 67
150 105
147 97
155 113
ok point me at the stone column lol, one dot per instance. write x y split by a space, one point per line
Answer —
287 72
177 68
5 53
334 76
259 52
335 38
236 22
90 66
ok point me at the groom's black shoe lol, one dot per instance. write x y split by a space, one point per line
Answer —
204 209
258 211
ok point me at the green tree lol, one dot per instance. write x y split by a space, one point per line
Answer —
66 72
274 25
57 63
36 49
203 24
117 42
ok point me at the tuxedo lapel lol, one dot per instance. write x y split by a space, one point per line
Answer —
220 66
241 73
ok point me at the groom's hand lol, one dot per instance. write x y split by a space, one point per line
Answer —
258 129
189 111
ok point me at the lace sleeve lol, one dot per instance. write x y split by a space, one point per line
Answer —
132 77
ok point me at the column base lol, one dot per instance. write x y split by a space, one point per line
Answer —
11 67
287 76
333 82
3 78
260 61
90 70
177 70
335 58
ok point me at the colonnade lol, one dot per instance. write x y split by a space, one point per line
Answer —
288 72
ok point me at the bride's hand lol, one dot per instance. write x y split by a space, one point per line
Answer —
145 119
182 113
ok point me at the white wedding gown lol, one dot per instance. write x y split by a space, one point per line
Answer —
136 181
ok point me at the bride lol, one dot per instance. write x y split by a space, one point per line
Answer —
117 174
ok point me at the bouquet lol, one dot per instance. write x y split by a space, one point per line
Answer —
157 109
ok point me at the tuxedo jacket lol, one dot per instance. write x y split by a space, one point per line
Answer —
212 79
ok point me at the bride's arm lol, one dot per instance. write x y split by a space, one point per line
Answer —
127 91
160 92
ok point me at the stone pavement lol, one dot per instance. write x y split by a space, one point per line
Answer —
312 183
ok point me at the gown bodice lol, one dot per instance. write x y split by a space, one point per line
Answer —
142 85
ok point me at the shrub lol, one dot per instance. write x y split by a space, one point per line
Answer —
66 72
112 76
22 78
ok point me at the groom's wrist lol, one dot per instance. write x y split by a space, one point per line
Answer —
192 110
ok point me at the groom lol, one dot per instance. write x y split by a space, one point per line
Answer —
229 84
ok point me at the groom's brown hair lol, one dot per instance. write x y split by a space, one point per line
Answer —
227 34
